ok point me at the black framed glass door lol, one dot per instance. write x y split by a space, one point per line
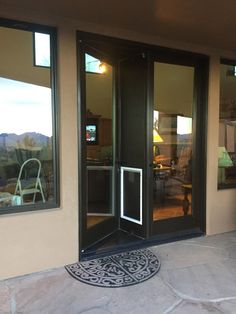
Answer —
142 145
113 142
98 212
178 144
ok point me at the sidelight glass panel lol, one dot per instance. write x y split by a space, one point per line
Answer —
99 145
27 127
172 140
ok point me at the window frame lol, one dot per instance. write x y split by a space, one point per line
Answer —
52 31
220 186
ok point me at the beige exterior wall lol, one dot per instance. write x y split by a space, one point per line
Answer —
221 209
41 240
36 241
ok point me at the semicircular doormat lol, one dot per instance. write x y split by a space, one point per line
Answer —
119 270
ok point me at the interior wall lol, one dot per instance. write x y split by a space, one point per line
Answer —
177 95
17 53
46 239
99 93
174 97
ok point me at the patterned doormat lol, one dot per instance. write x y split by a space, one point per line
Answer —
120 270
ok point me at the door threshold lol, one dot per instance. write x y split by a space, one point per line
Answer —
121 241
118 241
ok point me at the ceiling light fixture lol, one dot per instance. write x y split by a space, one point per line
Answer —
102 67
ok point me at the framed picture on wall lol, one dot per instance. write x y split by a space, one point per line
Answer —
92 131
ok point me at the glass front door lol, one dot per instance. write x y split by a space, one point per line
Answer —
99 140
142 168
113 137
172 140
97 129
178 167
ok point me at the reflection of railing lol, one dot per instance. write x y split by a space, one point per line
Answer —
48 179
10 172
23 154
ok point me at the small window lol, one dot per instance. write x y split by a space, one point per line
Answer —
42 49
227 126
28 118
94 65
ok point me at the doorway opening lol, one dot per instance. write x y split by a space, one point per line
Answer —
141 121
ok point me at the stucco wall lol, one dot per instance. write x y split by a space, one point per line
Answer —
221 209
36 241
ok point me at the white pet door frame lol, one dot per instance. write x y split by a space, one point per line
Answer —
123 211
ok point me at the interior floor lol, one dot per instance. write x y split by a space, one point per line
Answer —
166 212
95 219
160 212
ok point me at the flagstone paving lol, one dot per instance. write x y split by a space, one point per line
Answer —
196 276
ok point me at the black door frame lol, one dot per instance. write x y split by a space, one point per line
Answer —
154 234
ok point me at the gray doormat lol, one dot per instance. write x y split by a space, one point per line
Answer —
119 270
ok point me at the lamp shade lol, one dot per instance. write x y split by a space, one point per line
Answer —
224 159
156 137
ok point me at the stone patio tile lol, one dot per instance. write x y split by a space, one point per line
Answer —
179 255
222 240
58 293
151 296
196 308
55 292
228 306
232 251
205 282
5 300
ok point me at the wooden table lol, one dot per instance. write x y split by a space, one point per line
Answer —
161 173
187 189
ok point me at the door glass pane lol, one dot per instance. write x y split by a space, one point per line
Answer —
172 140
99 143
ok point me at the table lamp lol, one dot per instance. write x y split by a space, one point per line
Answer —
224 161
156 139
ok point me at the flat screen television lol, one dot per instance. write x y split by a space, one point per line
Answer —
92 134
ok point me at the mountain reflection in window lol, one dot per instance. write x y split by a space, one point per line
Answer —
25 133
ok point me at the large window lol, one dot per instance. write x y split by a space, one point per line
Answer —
227 126
28 158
